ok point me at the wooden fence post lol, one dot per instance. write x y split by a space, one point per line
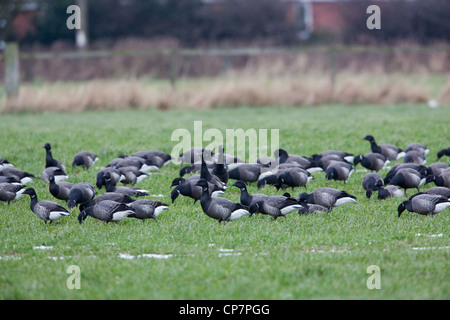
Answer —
12 71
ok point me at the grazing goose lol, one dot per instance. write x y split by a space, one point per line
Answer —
418 147
309 208
114 196
55 172
339 170
139 163
194 155
425 204
115 175
147 209
294 177
442 180
437 168
84 159
220 167
283 157
247 172
107 211
407 178
246 199
13 180
5 164
129 191
327 197
154 157
23 176
80 193
220 209
131 175
45 210
339 155
443 152
440 191
187 187
60 190
415 156
372 161
10 192
50 161
390 192
420 169
390 151
275 206
372 182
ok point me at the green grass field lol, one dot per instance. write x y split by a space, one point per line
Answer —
300 257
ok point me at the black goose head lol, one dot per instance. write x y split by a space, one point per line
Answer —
31 192
383 194
254 208
358 159
174 194
239 184
202 183
430 178
369 138
303 197
281 154
177 182
47 147
331 173
402 207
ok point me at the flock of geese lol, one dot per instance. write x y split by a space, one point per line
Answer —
205 176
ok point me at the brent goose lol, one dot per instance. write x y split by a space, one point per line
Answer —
55 172
276 206
425 204
246 199
372 161
10 192
220 209
50 161
130 191
339 170
407 178
45 210
23 176
84 159
147 209
372 182
390 151
443 152
390 191
60 190
80 193
107 211
327 197
188 188
442 180
114 196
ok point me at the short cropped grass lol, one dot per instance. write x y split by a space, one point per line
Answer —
187 255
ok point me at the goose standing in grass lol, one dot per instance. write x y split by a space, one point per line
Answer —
420 169
417 147
247 172
415 156
425 204
206 174
140 163
50 161
372 182
188 188
10 192
276 206
23 176
84 159
45 210
131 175
309 208
80 193
60 190
440 191
390 151
371 161
107 211
327 197
339 170
442 180
407 178
246 199
115 175
154 157
130 191
443 152
294 177
220 209
338 155
390 191
282 156
55 172
147 209
437 168
114 196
